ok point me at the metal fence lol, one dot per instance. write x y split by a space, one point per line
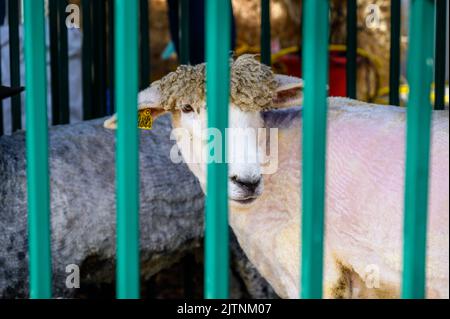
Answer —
120 82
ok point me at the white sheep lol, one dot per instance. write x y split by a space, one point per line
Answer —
364 189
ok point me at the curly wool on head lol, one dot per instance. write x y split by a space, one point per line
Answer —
252 85
186 85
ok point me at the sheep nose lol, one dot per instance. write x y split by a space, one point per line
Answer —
248 184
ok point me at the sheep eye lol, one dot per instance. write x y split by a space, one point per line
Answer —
187 108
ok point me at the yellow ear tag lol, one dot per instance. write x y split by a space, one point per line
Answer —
145 120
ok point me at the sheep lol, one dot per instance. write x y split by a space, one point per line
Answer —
364 188
82 193
83 225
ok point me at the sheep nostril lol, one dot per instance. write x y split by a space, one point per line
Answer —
249 185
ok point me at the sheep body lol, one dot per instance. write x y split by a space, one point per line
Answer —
364 205
364 190
83 210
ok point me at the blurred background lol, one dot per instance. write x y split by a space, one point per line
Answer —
88 45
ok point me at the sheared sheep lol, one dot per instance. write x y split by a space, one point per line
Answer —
365 181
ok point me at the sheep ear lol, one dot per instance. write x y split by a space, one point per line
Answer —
149 108
289 92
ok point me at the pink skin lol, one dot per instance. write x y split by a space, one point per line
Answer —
364 205
373 208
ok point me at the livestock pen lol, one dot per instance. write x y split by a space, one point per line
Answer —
426 56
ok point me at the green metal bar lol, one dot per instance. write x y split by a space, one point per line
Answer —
184 31
63 64
315 73
218 17
352 44
127 169
394 60
14 58
37 151
420 74
145 45
265 32
87 60
441 39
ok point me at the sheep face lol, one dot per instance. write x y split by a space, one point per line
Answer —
253 89
199 145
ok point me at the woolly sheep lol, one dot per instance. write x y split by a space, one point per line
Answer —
365 181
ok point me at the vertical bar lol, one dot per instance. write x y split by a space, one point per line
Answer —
59 62
265 33
37 151
145 45
126 65
315 72
87 60
420 70
14 57
111 107
99 36
352 44
218 17
63 64
54 38
184 31
441 39
394 62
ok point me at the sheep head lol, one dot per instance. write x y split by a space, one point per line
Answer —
253 89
